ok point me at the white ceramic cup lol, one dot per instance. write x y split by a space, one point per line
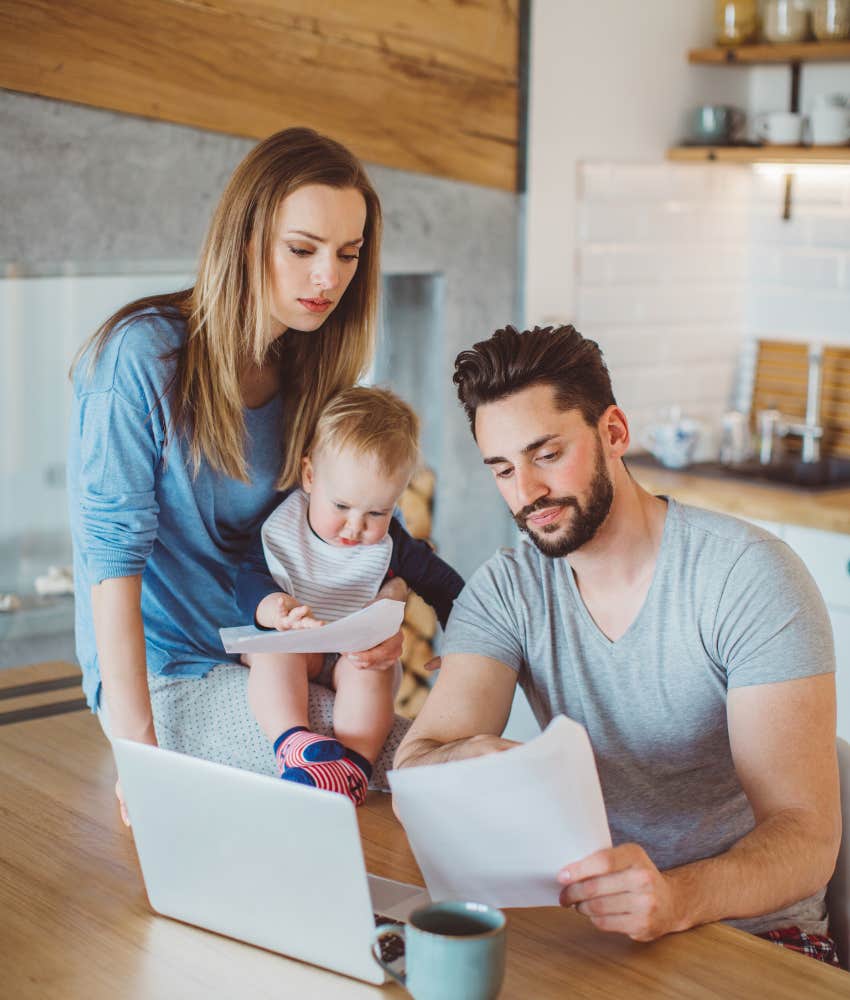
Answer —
830 101
673 444
830 126
780 128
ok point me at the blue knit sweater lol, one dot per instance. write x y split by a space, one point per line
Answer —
135 507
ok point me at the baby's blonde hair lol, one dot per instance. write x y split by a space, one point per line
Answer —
370 421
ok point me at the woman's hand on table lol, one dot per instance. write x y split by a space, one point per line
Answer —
125 816
149 737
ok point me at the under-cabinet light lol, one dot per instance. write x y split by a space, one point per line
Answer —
823 171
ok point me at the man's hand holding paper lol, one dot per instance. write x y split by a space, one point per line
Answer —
497 828
620 889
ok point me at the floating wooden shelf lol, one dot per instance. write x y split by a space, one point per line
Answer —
789 53
792 55
761 154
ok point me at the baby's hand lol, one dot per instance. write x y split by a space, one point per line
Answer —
282 612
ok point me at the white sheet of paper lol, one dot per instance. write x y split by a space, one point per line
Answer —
497 829
352 634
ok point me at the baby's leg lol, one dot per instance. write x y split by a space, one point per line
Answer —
277 695
363 709
277 690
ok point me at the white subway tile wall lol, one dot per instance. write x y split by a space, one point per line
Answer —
662 283
681 268
800 268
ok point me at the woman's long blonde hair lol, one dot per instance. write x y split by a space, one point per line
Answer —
227 310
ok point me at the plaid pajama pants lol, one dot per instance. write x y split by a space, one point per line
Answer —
817 946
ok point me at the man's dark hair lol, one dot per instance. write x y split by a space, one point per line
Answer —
512 360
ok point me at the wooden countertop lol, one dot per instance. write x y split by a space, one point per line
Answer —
828 510
75 921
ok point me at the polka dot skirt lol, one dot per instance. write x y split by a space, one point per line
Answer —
209 717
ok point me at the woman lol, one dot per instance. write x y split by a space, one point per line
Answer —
191 413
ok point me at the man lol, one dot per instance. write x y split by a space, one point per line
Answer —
694 648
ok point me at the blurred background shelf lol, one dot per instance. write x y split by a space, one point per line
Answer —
760 154
768 53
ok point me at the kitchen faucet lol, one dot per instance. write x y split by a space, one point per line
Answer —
772 423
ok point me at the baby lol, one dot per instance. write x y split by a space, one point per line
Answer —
330 546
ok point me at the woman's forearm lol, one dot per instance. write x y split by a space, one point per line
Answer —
120 638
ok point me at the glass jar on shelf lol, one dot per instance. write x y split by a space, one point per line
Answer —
735 21
785 21
831 20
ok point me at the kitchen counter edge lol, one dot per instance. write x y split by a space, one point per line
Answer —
826 510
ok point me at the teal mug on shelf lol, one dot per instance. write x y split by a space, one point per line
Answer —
715 124
452 951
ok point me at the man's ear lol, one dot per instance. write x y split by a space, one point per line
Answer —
614 431
306 474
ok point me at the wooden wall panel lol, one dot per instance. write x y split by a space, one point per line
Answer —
418 85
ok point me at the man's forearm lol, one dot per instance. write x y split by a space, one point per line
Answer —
473 695
785 858
423 751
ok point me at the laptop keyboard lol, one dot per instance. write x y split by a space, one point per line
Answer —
392 945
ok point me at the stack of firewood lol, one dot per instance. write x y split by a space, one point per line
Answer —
420 622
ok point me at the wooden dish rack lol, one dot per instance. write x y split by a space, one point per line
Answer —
781 383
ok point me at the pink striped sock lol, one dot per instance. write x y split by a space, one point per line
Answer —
301 748
342 776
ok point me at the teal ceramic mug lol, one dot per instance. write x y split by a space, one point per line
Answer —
716 123
452 951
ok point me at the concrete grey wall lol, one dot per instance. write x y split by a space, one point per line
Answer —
408 357
81 184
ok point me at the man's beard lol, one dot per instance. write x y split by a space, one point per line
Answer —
585 521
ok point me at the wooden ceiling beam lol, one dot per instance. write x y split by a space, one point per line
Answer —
429 87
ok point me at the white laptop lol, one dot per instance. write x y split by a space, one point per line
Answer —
269 862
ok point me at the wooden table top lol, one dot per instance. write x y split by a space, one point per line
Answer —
75 921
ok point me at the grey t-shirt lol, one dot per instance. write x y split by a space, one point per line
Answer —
729 606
